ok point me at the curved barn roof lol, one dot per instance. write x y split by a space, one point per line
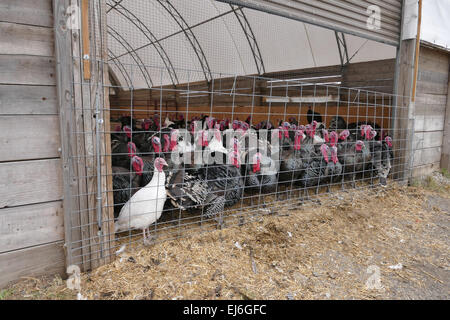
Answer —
177 41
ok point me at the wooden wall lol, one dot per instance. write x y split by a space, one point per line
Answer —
430 110
250 96
31 213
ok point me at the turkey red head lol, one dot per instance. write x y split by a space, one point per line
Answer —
333 138
127 131
286 127
367 131
293 127
371 134
363 130
235 159
160 163
138 165
203 138
359 145
156 143
146 124
334 156
173 139
324 149
388 140
326 136
245 126
298 139
131 149
344 135
118 128
166 143
257 162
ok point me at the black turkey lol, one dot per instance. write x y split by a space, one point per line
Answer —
122 153
126 183
313 116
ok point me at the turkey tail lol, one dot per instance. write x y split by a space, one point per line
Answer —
216 206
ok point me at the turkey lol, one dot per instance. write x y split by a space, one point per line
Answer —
355 157
311 133
225 181
291 167
122 153
146 205
380 153
148 160
313 116
337 123
326 169
126 183
260 175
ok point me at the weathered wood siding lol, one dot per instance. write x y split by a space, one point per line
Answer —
430 110
31 213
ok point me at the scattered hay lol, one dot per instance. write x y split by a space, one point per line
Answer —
314 252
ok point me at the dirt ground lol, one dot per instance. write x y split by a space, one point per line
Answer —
373 243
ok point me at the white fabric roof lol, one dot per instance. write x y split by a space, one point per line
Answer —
435 22
284 44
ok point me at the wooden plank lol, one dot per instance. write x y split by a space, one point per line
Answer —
85 36
29 182
428 123
430 99
32 225
445 158
432 88
29 70
23 39
29 137
31 12
404 115
63 45
31 262
80 166
107 183
425 170
433 60
425 140
27 100
427 156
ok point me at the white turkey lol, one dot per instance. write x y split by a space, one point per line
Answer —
146 205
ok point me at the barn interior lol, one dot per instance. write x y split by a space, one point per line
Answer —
212 58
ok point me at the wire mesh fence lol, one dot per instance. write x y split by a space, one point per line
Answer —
169 151
201 156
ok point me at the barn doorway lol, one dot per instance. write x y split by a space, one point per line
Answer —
211 78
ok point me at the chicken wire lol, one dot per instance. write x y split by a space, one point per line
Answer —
278 160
